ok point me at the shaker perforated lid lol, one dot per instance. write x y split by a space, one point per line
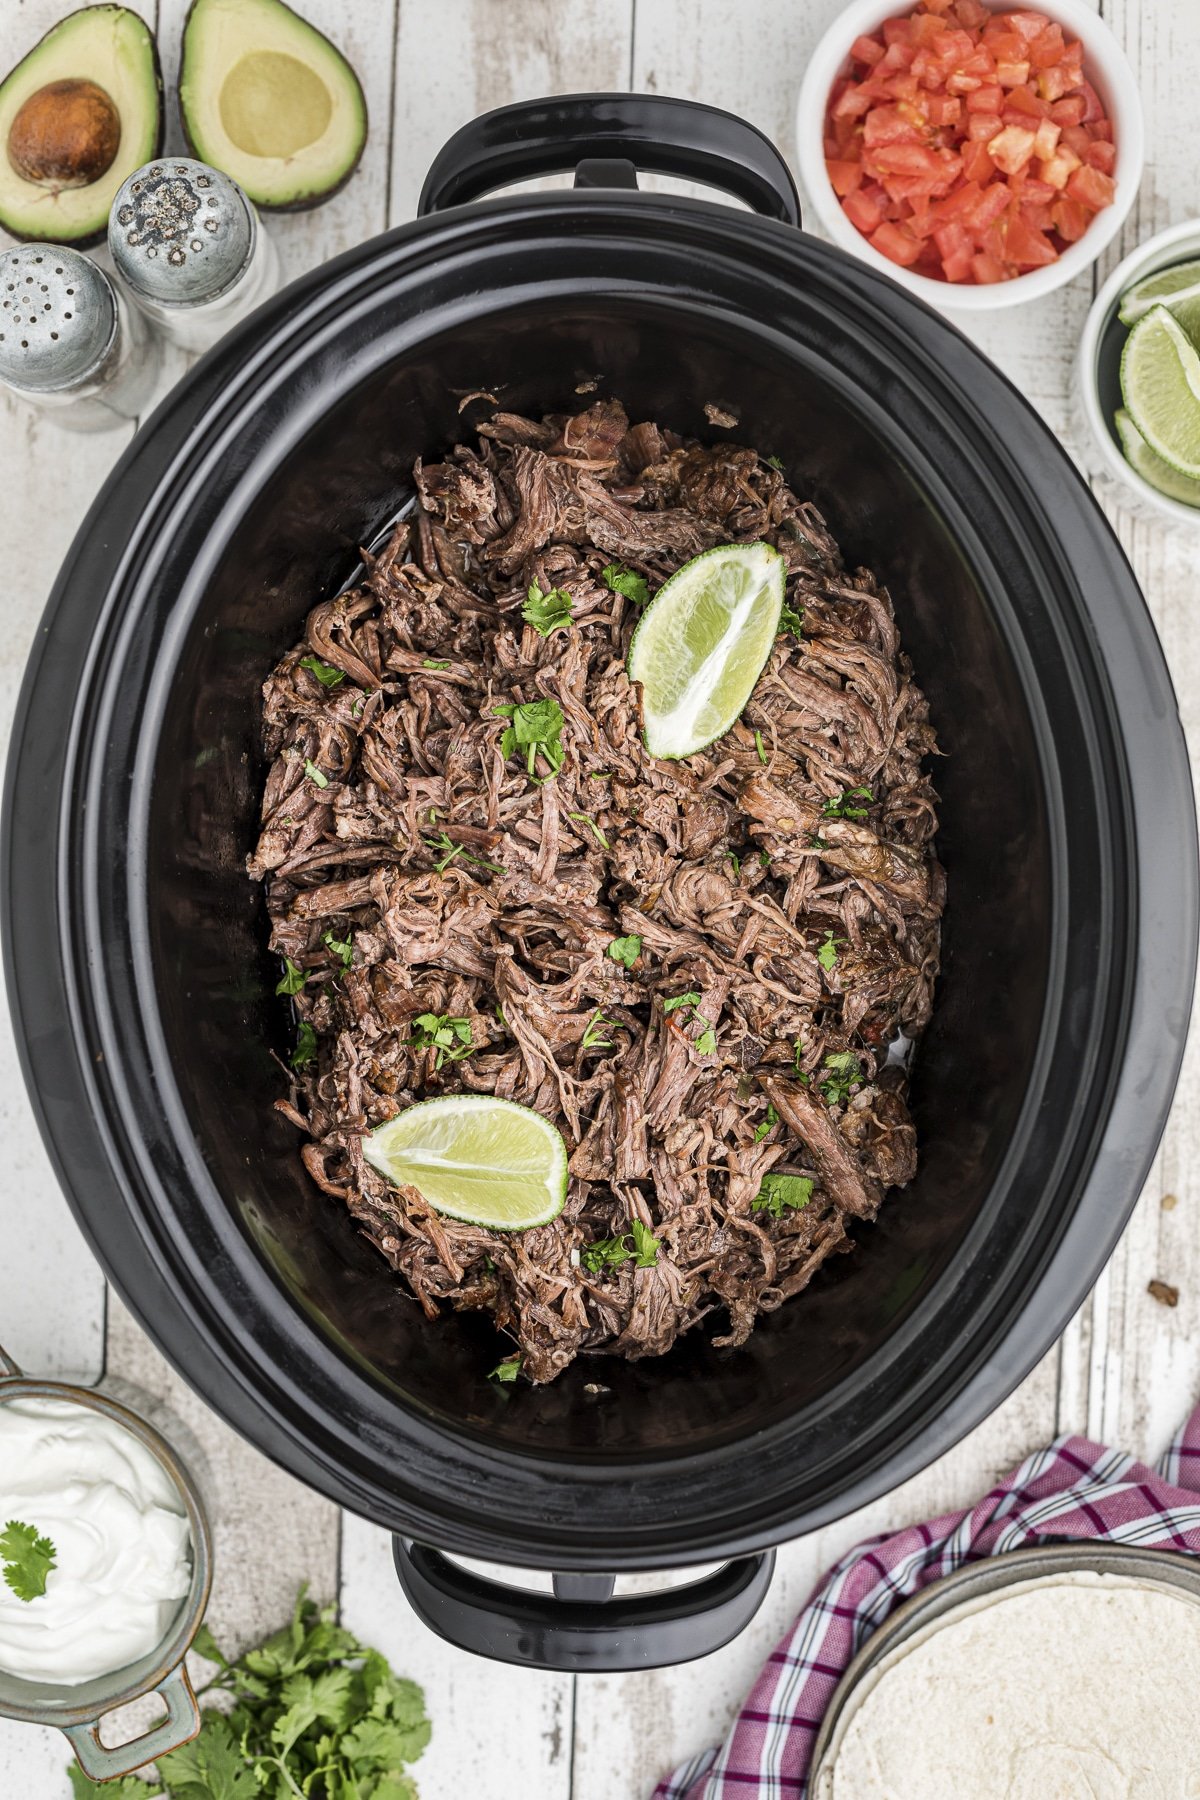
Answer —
58 316
180 233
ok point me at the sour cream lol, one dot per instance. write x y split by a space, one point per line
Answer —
120 1534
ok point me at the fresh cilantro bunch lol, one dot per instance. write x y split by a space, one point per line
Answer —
535 726
316 1715
27 1559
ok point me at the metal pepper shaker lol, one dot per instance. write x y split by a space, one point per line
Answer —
69 344
188 245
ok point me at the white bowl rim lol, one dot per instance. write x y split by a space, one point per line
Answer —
1140 261
1107 62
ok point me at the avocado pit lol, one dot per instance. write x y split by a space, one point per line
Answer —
66 135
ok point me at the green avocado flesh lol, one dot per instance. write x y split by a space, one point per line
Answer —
268 99
112 48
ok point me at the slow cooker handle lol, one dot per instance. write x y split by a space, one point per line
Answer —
626 132
579 1626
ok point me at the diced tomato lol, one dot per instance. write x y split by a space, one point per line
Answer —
1101 156
1091 187
981 191
866 50
987 268
1071 220
987 99
845 176
1069 111
897 244
977 164
1011 148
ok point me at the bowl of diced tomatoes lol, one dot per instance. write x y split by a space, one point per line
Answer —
983 154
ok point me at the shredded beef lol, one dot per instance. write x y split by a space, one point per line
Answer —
807 921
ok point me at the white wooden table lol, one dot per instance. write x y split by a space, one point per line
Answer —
1126 1368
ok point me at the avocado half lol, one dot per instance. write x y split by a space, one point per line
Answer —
265 97
67 133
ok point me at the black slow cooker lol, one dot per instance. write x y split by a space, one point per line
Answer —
135 944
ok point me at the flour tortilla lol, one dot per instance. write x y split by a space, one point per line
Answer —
1071 1687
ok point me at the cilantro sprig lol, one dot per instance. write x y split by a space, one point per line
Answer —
827 953
625 950
325 672
639 1242
534 727
447 851
846 805
315 1713
292 979
306 1046
28 1559
504 1372
844 1071
449 1037
547 612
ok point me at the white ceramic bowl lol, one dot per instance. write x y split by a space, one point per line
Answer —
1105 67
1097 385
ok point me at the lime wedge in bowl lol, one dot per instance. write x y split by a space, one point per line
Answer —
1160 379
473 1157
1151 467
1166 287
702 643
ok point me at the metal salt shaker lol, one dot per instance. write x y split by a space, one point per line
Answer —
188 245
69 344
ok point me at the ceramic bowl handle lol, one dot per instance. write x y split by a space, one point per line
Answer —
181 1724
606 139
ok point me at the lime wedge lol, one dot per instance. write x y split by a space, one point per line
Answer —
702 643
1167 287
1152 468
477 1158
1160 379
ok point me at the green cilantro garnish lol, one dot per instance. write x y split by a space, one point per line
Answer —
779 1192
325 672
827 953
600 775
775 463
537 725
314 774
645 1244
547 612
591 1039
790 619
770 1120
841 808
626 949
445 846
315 1712
844 1070
451 1038
691 998
306 1046
587 819
28 1559
605 1253
356 709
293 978
764 857
706 1043
505 1371
760 747
737 863
342 948
431 662
624 581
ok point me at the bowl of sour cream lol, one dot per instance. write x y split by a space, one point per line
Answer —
106 1564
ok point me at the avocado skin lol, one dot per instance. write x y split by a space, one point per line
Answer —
301 202
85 240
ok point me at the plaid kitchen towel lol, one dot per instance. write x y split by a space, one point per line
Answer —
1072 1489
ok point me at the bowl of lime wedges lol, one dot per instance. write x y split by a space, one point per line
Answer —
1137 387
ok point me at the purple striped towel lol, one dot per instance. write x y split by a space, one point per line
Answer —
1072 1489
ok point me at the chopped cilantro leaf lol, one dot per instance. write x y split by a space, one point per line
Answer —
506 1371
842 807
587 819
306 1046
450 1038
591 1039
790 620
605 1253
691 998
431 662
448 850
325 672
624 581
706 1043
342 948
827 954
780 1192
534 726
844 1071
547 612
760 747
293 978
314 774
769 1122
775 463
645 1244
626 949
